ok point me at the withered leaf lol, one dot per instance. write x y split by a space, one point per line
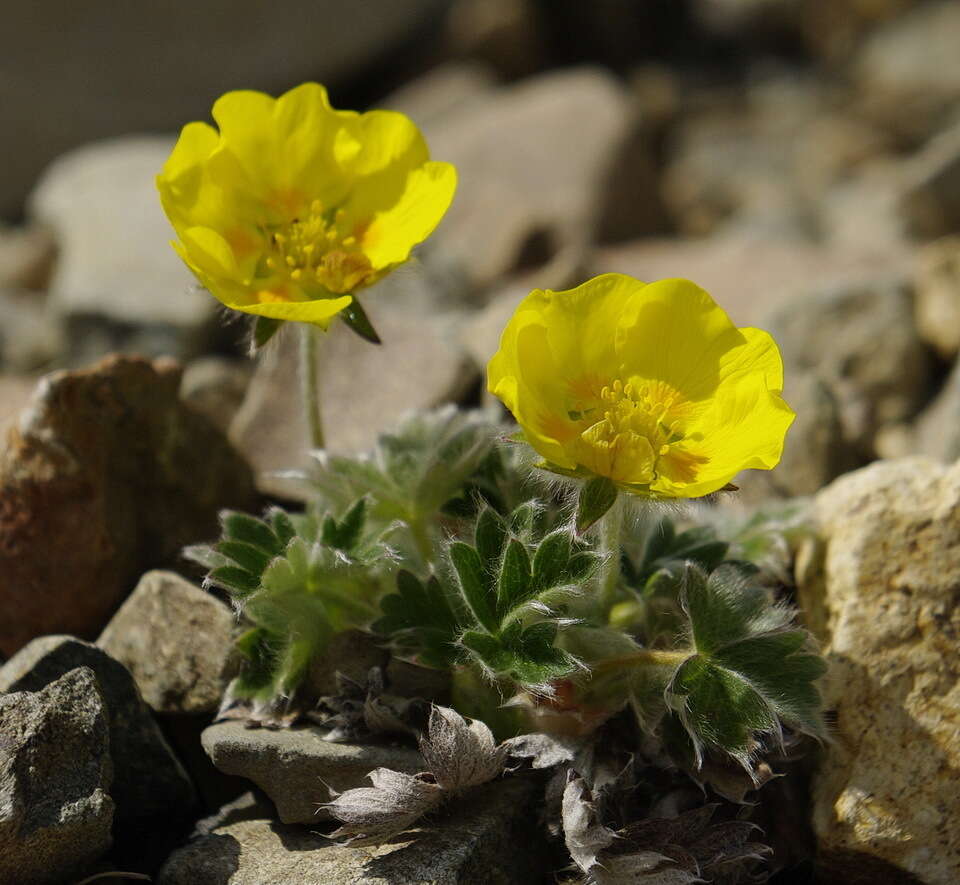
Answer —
461 755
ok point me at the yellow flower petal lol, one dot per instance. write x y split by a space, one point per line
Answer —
650 385
290 202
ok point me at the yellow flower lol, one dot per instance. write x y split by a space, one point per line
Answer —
648 384
292 206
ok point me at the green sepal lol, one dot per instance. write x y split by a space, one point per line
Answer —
264 328
597 496
356 319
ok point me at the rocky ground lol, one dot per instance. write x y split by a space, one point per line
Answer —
800 160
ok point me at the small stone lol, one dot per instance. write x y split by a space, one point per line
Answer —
443 90
936 297
29 340
215 387
294 766
859 338
109 458
491 836
117 283
886 603
26 257
176 641
936 431
364 391
148 781
55 776
930 202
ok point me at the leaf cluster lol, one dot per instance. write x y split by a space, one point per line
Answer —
499 603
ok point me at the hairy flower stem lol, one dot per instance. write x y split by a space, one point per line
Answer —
309 384
644 657
611 535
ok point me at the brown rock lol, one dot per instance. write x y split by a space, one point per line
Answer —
26 257
885 599
930 202
106 475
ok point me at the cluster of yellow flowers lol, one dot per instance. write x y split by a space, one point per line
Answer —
292 206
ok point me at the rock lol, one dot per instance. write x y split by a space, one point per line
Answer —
215 387
176 641
15 393
815 451
444 90
930 202
887 601
518 204
936 431
148 781
55 774
506 34
860 339
29 338
294 766
937 295
750 276
109 458
491 836
26 257
912 60
118 285
128 77
365 388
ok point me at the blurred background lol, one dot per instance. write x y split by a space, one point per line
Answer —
800 159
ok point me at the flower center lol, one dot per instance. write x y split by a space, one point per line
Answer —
633 431
316 252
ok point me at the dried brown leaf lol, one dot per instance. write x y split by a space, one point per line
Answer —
461 755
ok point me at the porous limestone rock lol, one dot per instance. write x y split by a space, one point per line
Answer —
885 599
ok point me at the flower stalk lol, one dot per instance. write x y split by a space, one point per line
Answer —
310 385
611 536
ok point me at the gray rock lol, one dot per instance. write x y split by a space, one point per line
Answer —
490 837
936 299
148 780
815 451
860 340
444 90
26 257
111 459
117 284
930 202
215 387
365 388
294 766
936 431
518 204
885 600
55 775
29 337
914 57
176 641
126 76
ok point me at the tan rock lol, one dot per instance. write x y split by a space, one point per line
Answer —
886 600
26 257
105 475
937 295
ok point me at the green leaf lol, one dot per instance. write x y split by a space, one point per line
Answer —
597 496
236 580
490 535
473 581
357 321
248 557
513 584
346 534
552 560
250 530
282 526
264 328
